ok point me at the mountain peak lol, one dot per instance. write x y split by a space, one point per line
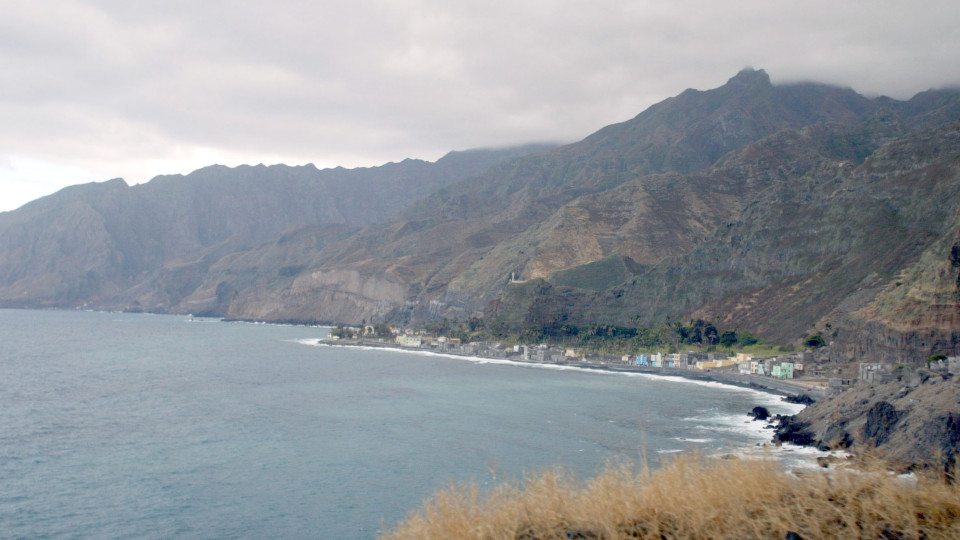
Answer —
749 76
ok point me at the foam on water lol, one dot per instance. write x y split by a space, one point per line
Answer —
758 433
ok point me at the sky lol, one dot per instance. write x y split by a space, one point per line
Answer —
92 90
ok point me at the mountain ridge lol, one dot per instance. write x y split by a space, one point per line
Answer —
781 209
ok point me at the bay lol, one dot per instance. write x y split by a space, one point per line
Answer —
119 425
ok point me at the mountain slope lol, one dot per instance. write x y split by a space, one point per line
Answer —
862 253
99 244
779 209
620 192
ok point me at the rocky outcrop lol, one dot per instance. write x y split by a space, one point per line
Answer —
759 413
913 422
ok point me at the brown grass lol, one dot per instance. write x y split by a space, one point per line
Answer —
695 498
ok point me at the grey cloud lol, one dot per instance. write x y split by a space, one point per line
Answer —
111 85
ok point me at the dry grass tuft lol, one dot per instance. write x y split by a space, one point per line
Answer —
695 498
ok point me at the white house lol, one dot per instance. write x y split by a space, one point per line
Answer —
406 340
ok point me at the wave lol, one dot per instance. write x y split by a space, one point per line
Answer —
792 457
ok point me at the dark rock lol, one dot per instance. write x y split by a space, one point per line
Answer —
791 430
943 433
834 437
827 461
760 413
802 399
881 419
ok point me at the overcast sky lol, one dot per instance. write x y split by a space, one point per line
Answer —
93 90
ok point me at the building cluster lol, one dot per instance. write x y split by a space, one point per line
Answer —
805 364
877 373
778 367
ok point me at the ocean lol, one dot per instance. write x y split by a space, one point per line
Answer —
119 425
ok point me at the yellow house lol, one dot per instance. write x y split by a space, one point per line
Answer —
714 364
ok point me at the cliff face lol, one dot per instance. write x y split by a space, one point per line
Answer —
149 246
637 191
802 239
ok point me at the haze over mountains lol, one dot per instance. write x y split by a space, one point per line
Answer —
778 209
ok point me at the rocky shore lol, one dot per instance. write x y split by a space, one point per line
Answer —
912 423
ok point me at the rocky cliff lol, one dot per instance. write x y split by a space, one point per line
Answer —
912 422
793 239
110 245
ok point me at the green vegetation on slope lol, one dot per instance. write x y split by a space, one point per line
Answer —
610 339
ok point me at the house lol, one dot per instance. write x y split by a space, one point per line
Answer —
407 340
768 364
690 358
783 371
715 364
873 373
656 359
672 360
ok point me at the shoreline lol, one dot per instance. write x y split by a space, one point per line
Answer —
792 456
751 382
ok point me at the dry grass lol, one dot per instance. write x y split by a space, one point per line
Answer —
695 498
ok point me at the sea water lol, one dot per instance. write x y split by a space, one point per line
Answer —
117 425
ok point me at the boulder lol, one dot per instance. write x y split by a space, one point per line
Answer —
760 413
791 430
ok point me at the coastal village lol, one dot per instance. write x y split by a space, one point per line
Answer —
810 373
